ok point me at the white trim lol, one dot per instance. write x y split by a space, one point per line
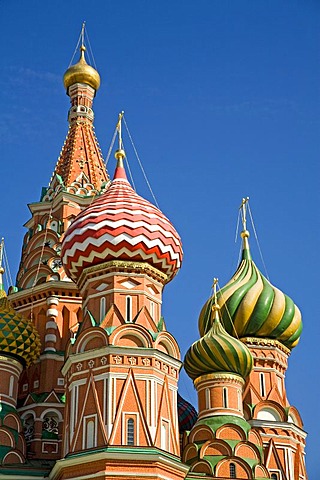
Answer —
86 419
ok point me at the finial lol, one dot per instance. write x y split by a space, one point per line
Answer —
120 153
245 233
1 267
215 306
82 34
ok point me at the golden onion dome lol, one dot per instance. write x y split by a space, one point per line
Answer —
81 72
252 307
217 351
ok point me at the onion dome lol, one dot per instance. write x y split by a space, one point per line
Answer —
217 351
187 414
121 225
81 72
252 307
18 336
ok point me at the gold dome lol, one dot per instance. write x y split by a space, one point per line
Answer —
81 72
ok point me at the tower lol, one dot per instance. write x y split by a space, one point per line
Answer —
122 368
43 291
269 324
19 347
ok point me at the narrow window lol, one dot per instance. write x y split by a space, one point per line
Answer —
262 385
11 383
128 309
239 400
102 308
225 397
130 431
232 468
152 309
90 434
208 400
165 435
274 476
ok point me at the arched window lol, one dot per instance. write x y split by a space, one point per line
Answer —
225 397
262 385
274 476
90 434
232 469
102 308
128 309
130 431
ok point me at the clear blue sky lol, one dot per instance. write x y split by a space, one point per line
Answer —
223 101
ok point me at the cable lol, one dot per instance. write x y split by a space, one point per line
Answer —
90 49
111 146
256 237
129 169
144 173
75 50
7 268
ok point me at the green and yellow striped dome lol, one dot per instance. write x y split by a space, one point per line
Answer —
18 336
257 308
217 351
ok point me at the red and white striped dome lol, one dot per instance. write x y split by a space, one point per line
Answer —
121 225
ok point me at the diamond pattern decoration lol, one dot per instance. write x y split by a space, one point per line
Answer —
18 336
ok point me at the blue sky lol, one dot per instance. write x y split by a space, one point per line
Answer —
222 100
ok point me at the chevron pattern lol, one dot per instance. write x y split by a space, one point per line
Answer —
121 225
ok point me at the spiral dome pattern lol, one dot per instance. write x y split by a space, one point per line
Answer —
121 225
217 351
18 336
256 307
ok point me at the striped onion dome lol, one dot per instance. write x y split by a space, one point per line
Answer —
121 225
18 336
217 351
257 308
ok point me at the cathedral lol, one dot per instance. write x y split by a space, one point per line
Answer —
89 386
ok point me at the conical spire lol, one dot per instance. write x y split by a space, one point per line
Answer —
80 168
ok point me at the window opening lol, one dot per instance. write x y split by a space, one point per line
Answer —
128 309
225 397
262 385
130 431
232 469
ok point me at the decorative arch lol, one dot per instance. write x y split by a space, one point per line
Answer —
230 432
12 421
6 438
131 335
201 433
242 469
202 466
245 450
91 339
255 438
217 447
294 417
270 411
51 411
261 471
190 453
13 457
166 343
